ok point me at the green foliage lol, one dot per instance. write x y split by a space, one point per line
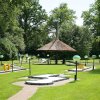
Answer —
80 38
63 14
16 37
92 17
96 46
9 27
7 48
31 20
84 41
92 20
8 15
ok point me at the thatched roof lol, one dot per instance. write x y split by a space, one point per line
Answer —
56 45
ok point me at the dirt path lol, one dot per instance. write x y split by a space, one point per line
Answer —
29 90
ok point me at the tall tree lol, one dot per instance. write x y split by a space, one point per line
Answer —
9 26
92 20
31 20
62 14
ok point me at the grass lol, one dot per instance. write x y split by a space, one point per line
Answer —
86 88
6 87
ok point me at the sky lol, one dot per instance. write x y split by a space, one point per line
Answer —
77 5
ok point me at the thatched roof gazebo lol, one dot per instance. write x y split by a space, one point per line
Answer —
55 46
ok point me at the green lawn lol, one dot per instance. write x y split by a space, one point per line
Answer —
86 88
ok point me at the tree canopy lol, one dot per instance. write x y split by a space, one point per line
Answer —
92 18
92 21
25 26
9 27
31 20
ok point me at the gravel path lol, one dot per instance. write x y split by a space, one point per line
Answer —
29 90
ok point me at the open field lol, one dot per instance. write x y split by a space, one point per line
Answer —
86 88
